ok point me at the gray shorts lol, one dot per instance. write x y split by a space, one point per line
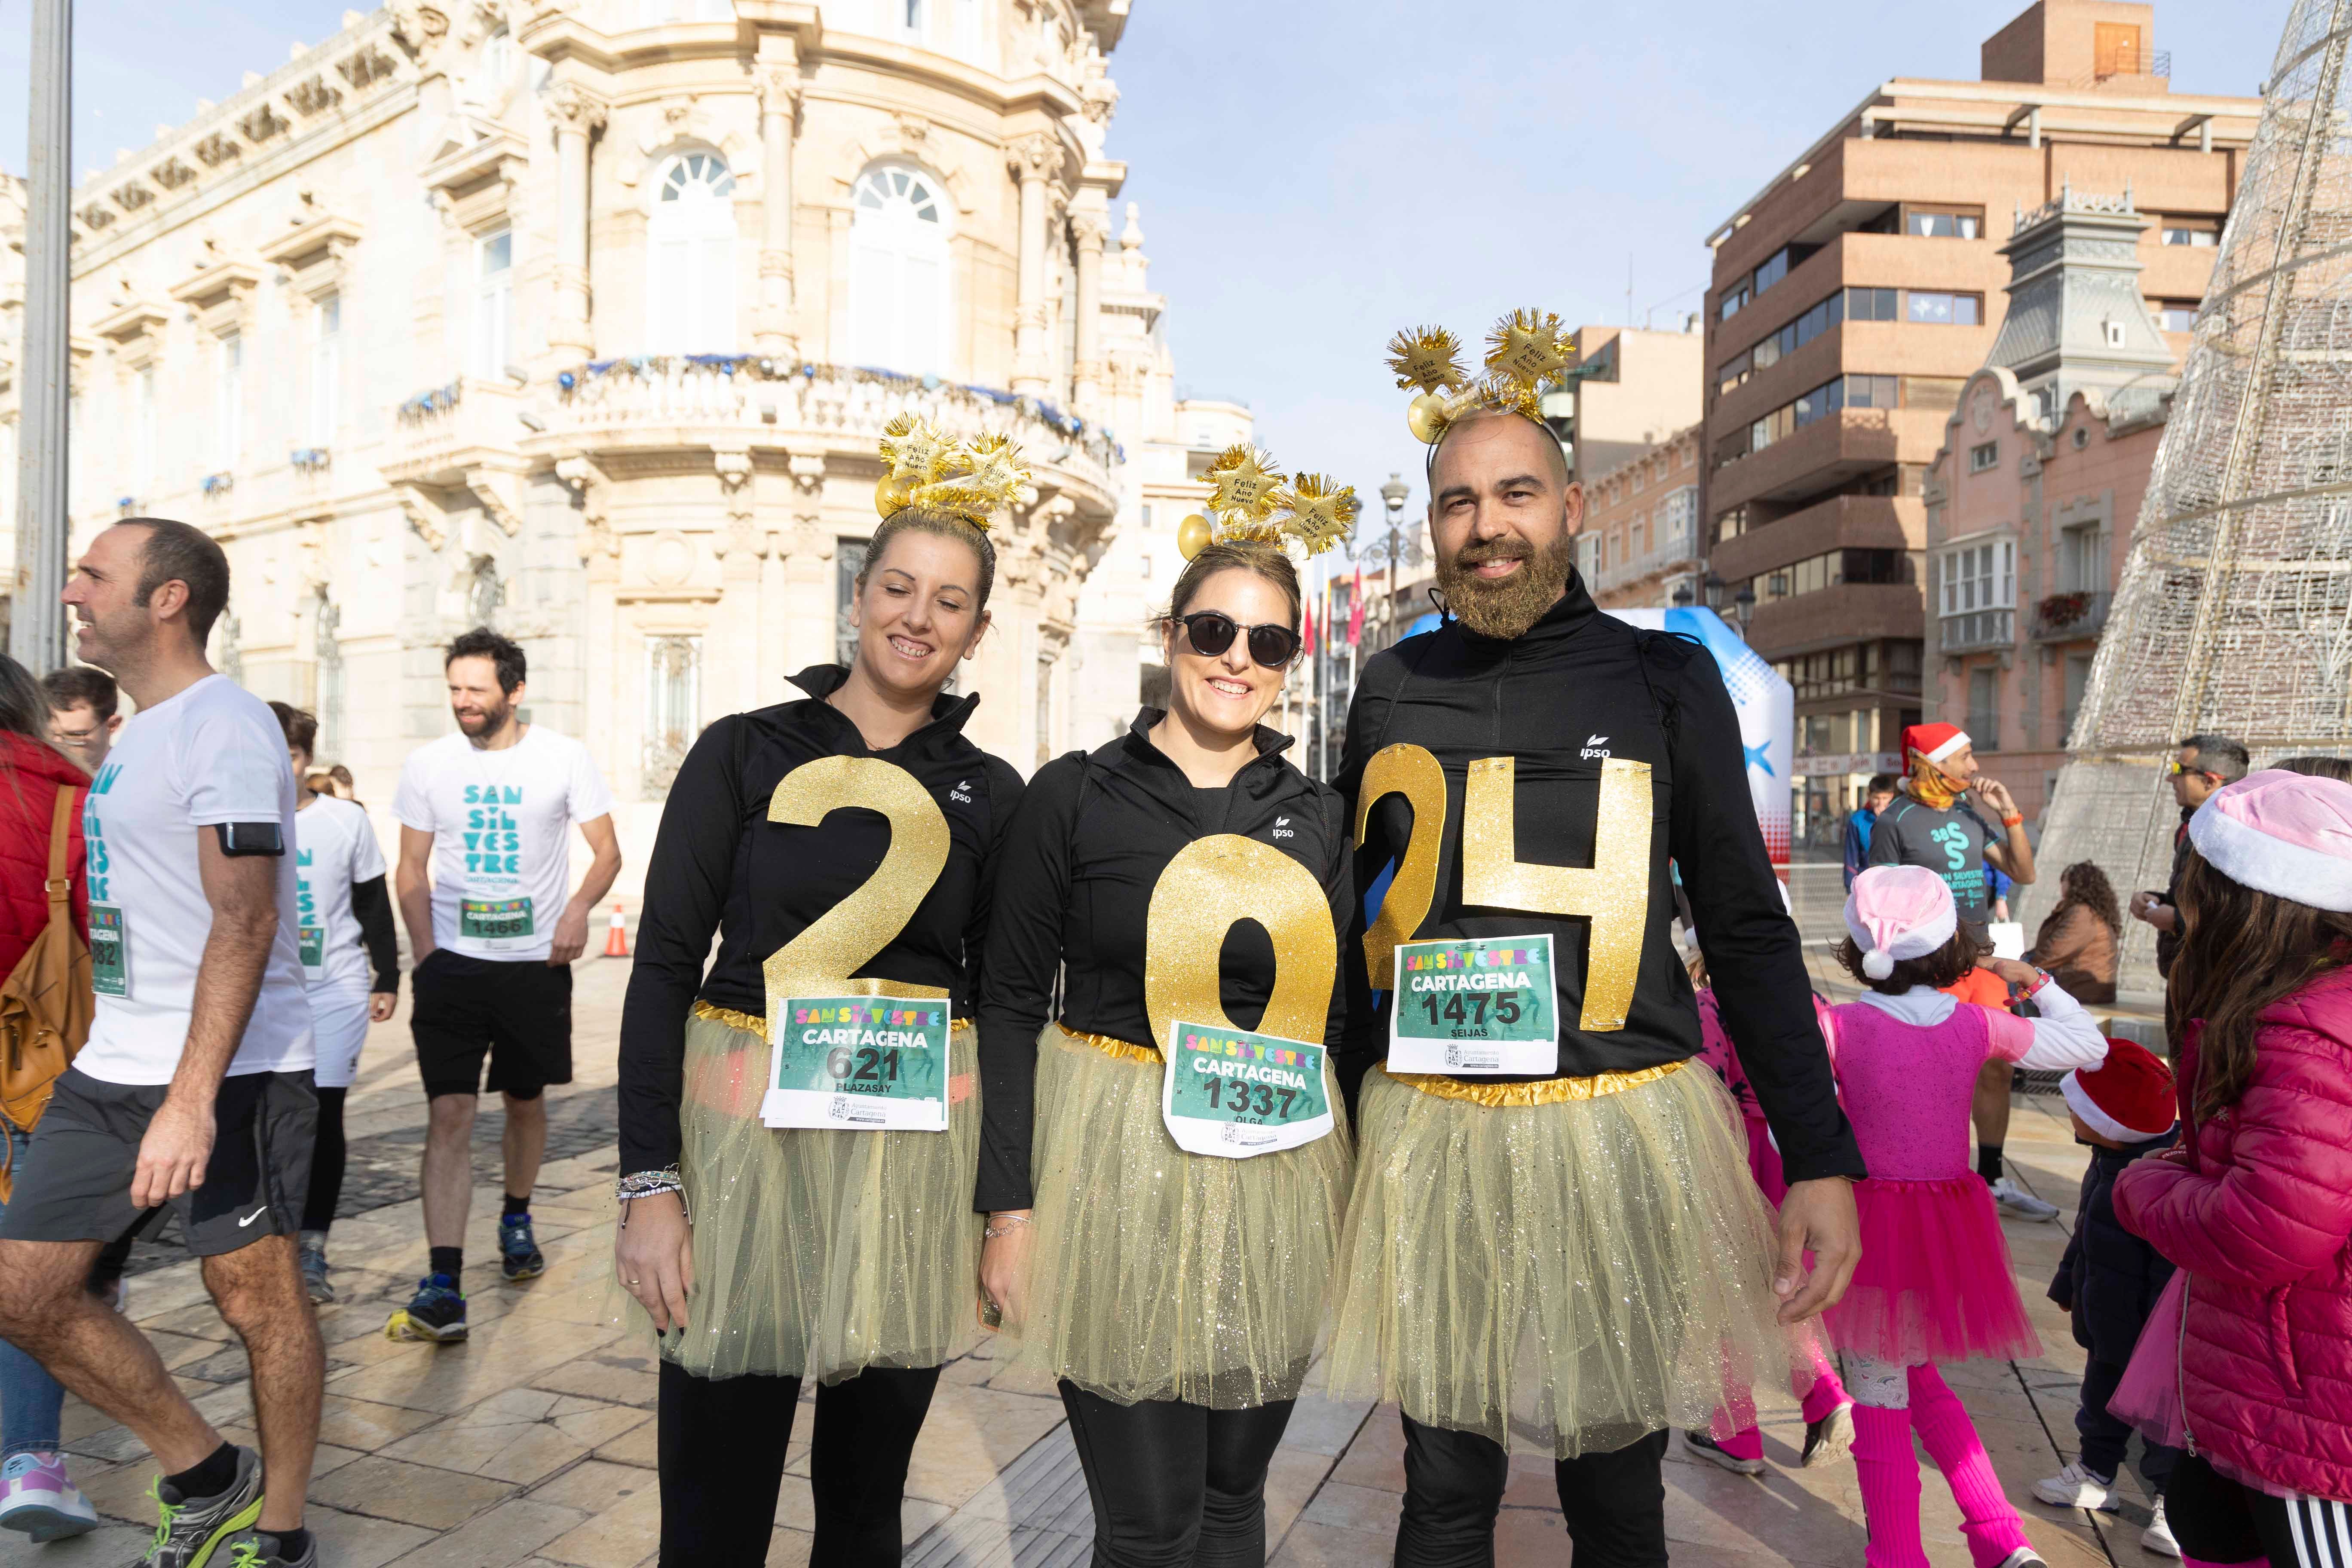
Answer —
74 1183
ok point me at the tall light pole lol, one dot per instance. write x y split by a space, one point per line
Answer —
1393 495
37 621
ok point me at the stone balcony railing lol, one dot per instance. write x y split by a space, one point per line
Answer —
1975 631
1677 547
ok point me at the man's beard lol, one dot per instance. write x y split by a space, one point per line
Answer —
1505 609
490 722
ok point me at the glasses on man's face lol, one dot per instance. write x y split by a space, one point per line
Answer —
2179 768
1211 632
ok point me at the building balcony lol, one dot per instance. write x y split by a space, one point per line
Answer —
1978 631
1833 617
2069 617
1674 550
1826 453
1863 522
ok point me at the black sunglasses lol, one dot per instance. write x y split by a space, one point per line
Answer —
1210 632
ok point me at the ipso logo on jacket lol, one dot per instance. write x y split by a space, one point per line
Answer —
1594 746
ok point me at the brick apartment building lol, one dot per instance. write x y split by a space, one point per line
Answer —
1854 295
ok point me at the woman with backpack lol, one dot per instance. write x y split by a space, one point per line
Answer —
37 1496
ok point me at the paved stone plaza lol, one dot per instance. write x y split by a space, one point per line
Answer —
533 1444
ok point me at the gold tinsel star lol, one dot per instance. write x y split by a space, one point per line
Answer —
1245 482
1427 357
1321 514
1527 346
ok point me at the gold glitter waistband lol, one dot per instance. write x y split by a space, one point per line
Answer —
1544 1091
751 1025
1118 1051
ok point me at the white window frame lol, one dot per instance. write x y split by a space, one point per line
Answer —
326 368
1978 574
143 429
1984 457
897 236
229 400
2083 558
696 235
493 303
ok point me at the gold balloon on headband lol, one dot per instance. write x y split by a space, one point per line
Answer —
923 467
1250 500
1526 351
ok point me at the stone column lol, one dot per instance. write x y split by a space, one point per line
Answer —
1089 229
780 97
577 113
1034 160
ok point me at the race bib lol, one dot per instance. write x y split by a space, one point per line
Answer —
110 951
1234 1093
312 940
858 1064
494 925
1473 1006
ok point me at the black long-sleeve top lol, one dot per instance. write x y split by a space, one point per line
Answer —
720 866
371 906
1074 895
1578 687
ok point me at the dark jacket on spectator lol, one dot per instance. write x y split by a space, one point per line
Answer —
2110 1279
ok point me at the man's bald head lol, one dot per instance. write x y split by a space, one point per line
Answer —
1516 430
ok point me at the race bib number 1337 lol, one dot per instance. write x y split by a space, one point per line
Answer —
1234 1093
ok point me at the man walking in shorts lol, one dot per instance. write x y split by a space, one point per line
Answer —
487 812
194 1092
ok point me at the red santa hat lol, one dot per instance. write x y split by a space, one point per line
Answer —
2128 1098
1934 742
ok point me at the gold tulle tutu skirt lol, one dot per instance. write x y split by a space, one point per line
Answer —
1156 1274
817 1254
1581 1273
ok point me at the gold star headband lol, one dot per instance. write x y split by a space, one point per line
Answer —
1251 502
971 480
1525 353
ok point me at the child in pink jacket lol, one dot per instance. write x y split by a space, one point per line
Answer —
1935 1283
2255 1206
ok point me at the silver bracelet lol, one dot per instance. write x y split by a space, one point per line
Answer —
646 1184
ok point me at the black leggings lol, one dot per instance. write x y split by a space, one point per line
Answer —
1175 1484
1615 1503
722 1448
2216 1520
326 1163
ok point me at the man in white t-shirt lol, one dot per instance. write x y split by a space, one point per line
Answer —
195 1089
488 813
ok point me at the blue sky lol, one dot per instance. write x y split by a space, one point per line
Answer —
1316 174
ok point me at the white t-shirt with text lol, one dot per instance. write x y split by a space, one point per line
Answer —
335 846
501 825
212 753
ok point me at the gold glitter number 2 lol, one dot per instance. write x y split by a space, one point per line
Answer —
1211 884
1613 892
845 939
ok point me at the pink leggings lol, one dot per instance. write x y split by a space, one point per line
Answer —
1814 1381
1888 1470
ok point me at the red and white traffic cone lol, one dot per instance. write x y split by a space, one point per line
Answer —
616 936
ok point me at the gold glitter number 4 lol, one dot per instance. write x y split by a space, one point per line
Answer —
845 939
1211 884
1613 892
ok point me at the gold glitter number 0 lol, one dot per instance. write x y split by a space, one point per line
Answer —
1211 885
1613 892
820 961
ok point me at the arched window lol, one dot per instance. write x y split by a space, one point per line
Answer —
690 258
899 272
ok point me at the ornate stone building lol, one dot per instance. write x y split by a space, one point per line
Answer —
582 318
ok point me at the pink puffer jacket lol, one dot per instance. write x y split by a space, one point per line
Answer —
2257 1207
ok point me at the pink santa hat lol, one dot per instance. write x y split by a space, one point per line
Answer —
2288 835
1898 911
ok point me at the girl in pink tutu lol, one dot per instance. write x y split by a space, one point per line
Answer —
1829 1420
1935 1283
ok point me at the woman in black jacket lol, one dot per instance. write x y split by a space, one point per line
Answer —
842 849
1162 1231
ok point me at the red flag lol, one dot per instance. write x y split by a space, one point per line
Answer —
1307 641
1356 609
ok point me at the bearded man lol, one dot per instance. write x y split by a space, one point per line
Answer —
1554 1233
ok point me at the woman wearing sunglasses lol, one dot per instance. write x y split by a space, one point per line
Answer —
1164 1163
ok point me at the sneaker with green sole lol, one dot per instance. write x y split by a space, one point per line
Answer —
189 1530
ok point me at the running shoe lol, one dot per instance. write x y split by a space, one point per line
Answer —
520 1257
2020 1203
38 1497
1830 1438
262 1550
1707 1448
188 1530
2074 1487
314 1273
2024 1557
2157 1537
437 1312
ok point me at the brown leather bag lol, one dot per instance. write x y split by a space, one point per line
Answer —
45 1002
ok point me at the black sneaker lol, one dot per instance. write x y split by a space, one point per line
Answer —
1830 1438
262 1550
188 1530
1707 1448
518 1255
437 1312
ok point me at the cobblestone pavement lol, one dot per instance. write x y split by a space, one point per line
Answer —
532 1445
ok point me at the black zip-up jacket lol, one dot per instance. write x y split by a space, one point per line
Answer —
2109 1279
1578 689
1073 894
720 865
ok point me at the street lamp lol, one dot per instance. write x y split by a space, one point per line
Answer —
1393 495
1685 596
1743 605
